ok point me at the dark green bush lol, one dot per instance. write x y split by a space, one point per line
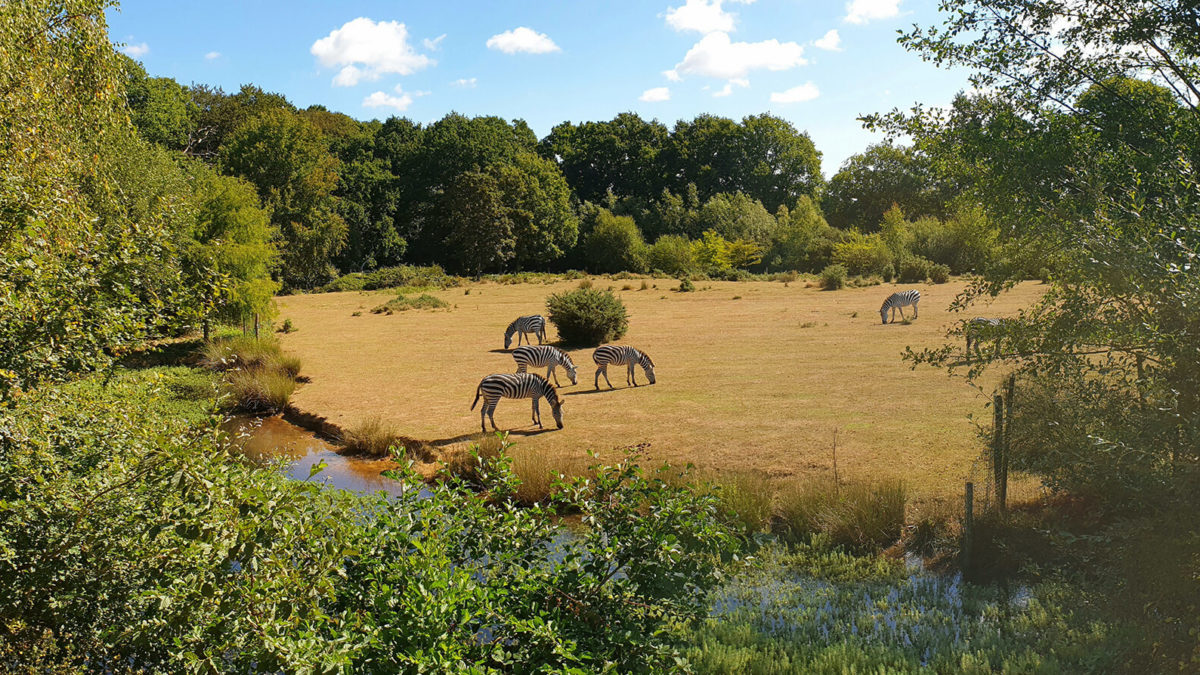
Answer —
939 274
393 277
686 285
834 277
913 269
587 317
616 245
672 254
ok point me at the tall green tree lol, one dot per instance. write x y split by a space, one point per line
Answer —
289 163
873 181
161 109
621 155
480 236
1055 152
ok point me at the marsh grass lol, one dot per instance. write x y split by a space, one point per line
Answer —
585 283
539 473
259 391
862 517
403 303
468 462
259 377
743 498
375 437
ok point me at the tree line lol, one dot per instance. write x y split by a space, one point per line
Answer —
483 194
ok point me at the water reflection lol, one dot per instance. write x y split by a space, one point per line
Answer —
269 439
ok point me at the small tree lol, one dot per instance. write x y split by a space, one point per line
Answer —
673 255
615 245
587 317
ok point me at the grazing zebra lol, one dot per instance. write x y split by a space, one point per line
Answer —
545 355
978 329
533 323
898 301
516 385
621 355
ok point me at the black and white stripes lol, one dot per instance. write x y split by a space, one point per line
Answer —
545 356
621 355
523 325
898 301
516 385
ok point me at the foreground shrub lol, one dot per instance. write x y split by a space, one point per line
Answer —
863 517
403 303
587 317
834 277
130 538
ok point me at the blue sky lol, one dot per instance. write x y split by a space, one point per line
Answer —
548 61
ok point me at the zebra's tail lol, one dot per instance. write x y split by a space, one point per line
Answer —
478 390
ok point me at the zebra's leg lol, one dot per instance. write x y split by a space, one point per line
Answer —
520 367
537 414
491 412
901 313
914 310
550 371
631 376
483 417
604 369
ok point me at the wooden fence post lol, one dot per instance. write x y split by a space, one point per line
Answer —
1009 394
998 448
968 533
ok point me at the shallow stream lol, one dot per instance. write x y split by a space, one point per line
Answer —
271 439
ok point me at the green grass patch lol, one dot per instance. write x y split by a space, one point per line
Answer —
863 517
403 303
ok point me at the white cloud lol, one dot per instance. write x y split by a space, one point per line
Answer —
805 92
655 95
704 16
366 50
522 39
136 51
434 44
212 55
384 100
672 75
862 11
465 82
716 56
729 87
831 41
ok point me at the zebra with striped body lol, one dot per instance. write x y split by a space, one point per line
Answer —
898 301
977 329
545 355
516 385
533 323
622 355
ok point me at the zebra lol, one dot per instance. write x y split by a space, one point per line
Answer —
978 329
545 355
516 385
621 355
898 301
533 323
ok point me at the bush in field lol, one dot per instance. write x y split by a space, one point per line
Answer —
403 303
587 317
913 269
672 254
834 277
615 245
393 277
686 285
863 254
939 274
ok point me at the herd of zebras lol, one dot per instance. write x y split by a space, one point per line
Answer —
524 384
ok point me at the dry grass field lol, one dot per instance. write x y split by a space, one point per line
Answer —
752 376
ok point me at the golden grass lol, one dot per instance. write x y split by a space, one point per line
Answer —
758 384
376 437
260 390
859 516
539 473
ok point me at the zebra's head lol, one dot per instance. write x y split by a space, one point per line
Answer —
556 406
572 371
883 312
648 367
508 334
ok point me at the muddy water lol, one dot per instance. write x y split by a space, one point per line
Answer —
271 439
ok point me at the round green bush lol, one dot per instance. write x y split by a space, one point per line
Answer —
587 317
833 277
913 269
686 285
939 274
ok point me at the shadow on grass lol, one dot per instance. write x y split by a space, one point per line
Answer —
585 392
178 352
